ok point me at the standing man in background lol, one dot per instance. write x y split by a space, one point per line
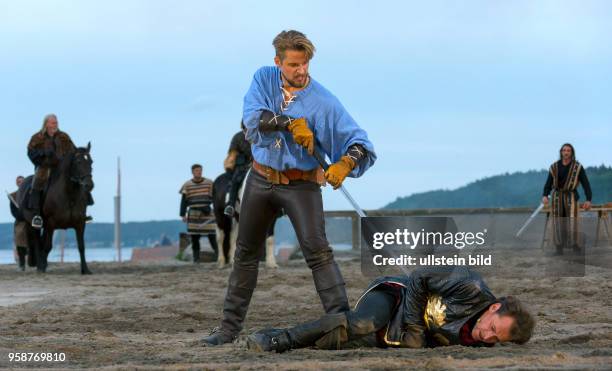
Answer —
196 198
563 179
19 234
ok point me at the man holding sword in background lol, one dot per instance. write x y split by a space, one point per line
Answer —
19 227
289 116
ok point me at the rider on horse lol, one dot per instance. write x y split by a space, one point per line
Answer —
46 148
238 161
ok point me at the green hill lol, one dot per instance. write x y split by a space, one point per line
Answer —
505 190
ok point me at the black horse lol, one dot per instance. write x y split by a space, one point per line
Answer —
227 228
64 205
223 222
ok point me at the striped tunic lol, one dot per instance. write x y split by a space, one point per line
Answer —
197 193
196 205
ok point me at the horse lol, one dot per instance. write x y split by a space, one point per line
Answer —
227 228
64 205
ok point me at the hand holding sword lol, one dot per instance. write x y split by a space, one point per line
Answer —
325 166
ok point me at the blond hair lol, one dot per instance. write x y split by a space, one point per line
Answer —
292 40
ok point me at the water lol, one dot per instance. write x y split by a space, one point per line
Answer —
109 254
92 254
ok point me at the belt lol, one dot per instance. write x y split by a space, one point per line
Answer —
284 177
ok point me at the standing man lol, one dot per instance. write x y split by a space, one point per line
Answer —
288 116
20 236
238 161
196 197
46 149
563 179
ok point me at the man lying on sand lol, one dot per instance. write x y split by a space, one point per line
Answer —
430 307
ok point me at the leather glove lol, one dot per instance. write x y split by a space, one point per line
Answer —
413 337
337 172
302 134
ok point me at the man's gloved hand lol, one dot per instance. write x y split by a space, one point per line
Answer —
302 134
336 173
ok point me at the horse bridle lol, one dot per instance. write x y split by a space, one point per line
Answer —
81 180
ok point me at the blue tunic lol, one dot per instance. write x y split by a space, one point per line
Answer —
334 129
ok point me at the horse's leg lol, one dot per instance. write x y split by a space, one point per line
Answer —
220 235
39 253
49 245
270 259
42 248
233 237
33 245
80 232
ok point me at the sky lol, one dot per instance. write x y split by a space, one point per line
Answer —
448 91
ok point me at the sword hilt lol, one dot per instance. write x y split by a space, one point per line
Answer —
321 160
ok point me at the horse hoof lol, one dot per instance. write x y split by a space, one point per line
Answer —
86 272
271 266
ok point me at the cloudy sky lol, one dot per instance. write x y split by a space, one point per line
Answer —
449 91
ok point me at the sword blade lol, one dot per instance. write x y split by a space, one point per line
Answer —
12 199
530 219
354 203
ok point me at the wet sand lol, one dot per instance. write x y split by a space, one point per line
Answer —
150 316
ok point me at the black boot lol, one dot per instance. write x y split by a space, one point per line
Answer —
235 307
90 201
195 247
328 332
330 286
217 337
269 340
34 204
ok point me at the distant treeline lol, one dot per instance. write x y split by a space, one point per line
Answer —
149 233
505 190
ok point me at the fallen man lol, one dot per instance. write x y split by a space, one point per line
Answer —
430 307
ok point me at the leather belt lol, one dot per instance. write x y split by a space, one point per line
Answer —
284 177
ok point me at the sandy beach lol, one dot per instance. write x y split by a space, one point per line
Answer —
150 316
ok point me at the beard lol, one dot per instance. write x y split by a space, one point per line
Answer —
295 84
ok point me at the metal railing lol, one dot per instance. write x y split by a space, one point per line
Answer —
601 210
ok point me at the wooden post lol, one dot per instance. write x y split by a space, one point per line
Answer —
62 244
606 222
118 212
356 231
